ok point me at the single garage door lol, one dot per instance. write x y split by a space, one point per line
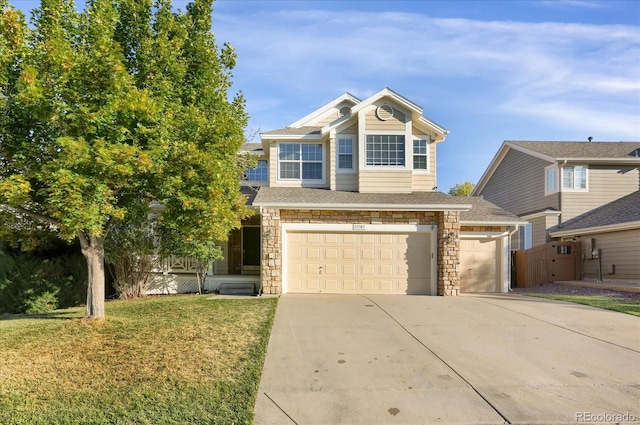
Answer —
479 265
358 263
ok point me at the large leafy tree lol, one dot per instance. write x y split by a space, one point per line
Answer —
462 189
110 109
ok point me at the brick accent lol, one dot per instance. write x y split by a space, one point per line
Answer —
448 251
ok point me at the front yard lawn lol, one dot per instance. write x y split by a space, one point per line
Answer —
609 303
159 360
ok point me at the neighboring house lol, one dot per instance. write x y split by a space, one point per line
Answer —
346 202
550 183
579 191
611 238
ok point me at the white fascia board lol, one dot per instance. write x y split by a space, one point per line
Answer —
483 235
630 160
290 136
386 92
337 125
531 152
541 214
599 229
334 227
323 109
493 223
366 207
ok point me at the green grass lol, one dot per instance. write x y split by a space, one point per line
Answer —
160 360
616 304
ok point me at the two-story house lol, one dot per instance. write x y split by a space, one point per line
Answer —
560 188
346 202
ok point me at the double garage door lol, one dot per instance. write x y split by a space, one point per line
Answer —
358 263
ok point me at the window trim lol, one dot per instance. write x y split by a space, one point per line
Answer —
574 189
386 167
556 176
300 161
354 151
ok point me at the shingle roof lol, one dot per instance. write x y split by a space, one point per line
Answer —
284 196
295 131
620 211
250 193
582 150
251 147
484 211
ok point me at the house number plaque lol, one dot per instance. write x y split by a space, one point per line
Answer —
358 227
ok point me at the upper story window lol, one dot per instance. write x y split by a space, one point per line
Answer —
386 150
419 154
260 173
345 153
574 177
550 179
300 161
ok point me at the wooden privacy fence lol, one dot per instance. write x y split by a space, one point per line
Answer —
547 263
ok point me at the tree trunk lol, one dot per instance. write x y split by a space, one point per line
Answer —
93 251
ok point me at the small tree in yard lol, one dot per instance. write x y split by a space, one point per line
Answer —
104 111
462 189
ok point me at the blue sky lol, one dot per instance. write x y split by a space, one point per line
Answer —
488 71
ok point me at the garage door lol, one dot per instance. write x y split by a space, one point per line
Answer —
358 263
479 265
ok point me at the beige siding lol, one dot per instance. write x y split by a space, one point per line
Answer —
422 182
385 181
517 185
373 123
621 249
273 165
347 182
606 184
351 130
416 130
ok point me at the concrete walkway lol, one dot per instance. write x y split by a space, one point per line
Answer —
351 359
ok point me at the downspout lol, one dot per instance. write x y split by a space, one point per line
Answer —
509 234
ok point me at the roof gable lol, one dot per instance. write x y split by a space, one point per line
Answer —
311 119
555 151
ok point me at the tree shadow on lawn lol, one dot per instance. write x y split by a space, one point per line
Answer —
55 315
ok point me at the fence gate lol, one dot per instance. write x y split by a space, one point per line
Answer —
547 263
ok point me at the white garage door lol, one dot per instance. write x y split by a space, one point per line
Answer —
479 265
358 263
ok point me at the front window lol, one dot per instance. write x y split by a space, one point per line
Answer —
420 154
574 177
387 150
345 154
550 184
300 161
260 173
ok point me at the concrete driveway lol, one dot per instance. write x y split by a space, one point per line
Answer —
384 359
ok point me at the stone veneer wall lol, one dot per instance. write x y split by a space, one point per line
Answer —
448 253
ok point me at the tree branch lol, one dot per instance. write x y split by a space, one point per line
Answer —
37 216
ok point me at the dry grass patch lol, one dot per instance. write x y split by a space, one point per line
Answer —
182 359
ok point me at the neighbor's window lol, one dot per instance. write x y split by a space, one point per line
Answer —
385 150
550 180
574 177
300 161
260 173
420 154
345 154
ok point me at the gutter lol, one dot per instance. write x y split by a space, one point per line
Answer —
366 207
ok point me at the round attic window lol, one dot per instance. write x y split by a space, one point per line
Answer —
384 112
344 111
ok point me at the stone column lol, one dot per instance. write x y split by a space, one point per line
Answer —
449 253
271 266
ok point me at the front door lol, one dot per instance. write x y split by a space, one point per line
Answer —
251 252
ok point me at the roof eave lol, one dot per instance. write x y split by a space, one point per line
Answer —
365 207
597 229
492 223
290 136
